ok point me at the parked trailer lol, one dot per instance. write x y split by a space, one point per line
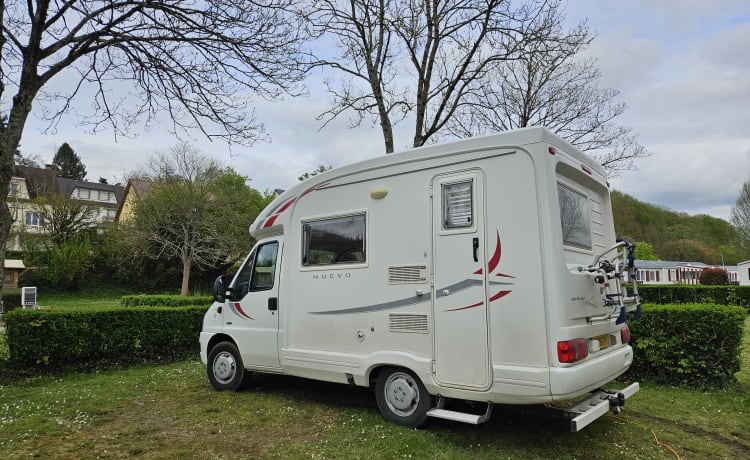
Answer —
484 270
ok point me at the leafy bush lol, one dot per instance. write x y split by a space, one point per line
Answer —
11 300
164 301
101 338
677 293
714 277
688 345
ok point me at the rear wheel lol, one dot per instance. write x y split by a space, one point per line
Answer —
225 369
402 398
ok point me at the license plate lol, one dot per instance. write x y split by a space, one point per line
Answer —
603 341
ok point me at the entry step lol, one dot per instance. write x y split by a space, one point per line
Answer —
464 417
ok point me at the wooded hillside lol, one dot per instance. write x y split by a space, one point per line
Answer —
676 235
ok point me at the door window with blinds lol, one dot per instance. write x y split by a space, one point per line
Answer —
458 205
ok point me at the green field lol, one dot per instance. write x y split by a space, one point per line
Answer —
171 411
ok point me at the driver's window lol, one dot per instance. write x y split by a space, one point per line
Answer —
264 268
242 281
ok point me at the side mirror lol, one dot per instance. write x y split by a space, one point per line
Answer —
220 288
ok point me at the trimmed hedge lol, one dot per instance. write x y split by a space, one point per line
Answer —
687 345
164 301
678 293
101 338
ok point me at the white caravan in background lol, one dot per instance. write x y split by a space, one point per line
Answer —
483 270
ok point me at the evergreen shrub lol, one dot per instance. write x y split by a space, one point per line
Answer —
687 345
681 293
162 300
89 339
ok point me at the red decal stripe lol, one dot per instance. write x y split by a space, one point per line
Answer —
286 205
270 221
466 307
241 311
499 295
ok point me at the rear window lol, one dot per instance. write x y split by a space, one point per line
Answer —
574 217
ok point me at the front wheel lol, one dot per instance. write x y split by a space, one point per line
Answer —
225 369
402 398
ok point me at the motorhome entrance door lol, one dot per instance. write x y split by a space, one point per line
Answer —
462 357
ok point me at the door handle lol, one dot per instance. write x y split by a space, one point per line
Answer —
475 245
273 303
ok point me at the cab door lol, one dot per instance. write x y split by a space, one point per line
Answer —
252 316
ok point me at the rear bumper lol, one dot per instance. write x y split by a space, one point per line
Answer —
570 382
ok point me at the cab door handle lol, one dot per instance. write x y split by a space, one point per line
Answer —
273 303
475 245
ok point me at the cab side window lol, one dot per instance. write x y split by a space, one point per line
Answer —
264 269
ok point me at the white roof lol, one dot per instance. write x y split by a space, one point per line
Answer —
14 263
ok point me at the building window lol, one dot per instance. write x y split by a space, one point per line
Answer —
84 193
32 219
336 240
13 188
106 196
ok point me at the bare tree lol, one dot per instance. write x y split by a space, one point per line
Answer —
551 85
740 214
418 57
63 217
193 210
174 216
198 61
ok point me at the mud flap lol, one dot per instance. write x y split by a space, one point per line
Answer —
599 403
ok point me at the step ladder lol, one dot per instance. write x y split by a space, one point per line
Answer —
439 411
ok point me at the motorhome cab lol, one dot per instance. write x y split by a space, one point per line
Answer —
484 270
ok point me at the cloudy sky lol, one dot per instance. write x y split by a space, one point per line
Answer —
681 66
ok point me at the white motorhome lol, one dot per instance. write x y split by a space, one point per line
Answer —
483 270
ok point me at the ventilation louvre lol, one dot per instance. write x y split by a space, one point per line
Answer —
407 274
407 322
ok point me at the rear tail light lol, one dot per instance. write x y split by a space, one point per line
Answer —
625 334
571 351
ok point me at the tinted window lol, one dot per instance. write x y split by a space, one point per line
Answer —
337 240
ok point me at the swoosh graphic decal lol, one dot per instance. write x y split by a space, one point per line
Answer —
378 307
237 309
499 295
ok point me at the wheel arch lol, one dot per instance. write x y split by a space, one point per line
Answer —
217 339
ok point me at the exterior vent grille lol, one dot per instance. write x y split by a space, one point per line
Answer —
405 322
407 274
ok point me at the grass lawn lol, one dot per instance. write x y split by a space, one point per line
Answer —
171 411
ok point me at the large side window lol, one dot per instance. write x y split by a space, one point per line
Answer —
574 217
335 240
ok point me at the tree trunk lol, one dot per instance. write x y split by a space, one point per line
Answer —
186 263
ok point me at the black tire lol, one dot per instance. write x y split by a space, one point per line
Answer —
402 398
225 369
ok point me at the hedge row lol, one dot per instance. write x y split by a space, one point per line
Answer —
687 345
677 293
11 301
164 301
101 338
